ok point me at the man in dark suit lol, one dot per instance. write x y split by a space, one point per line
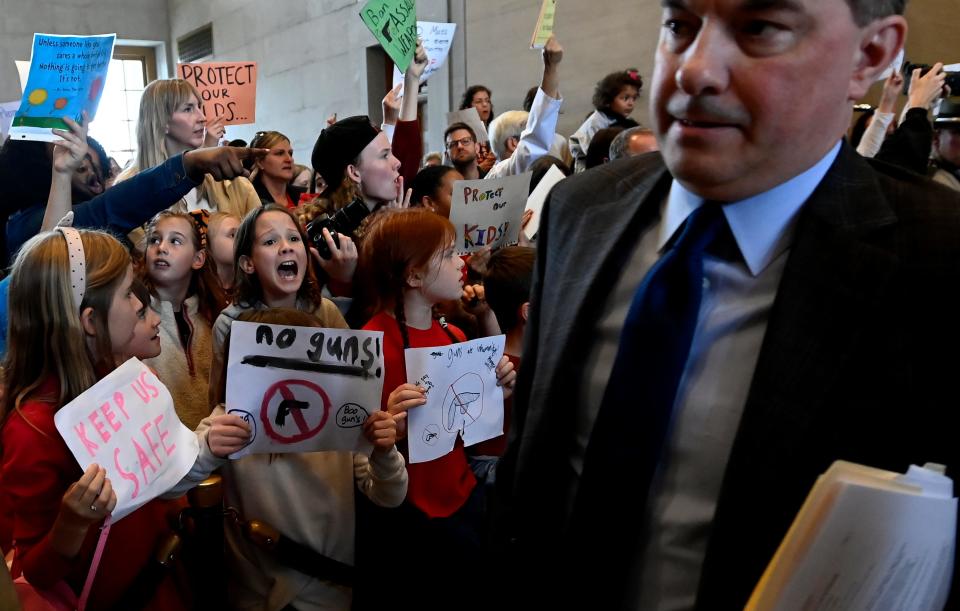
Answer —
828 301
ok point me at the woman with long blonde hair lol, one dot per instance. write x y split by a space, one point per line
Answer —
171 121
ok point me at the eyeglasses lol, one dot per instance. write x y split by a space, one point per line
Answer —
464 142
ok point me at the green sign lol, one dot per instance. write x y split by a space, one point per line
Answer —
394 24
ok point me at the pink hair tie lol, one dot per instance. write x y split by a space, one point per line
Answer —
78 264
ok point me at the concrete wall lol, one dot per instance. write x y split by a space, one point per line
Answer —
143 20
598 37
315 58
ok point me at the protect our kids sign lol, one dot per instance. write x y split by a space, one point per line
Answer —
227 89
126 423
303 389
67 75
487 212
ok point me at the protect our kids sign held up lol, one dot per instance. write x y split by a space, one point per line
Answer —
227 89
67 75
303 389
487 212
126 423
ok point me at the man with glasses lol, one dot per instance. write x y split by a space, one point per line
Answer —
463 150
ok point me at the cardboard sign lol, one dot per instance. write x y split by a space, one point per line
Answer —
471 117
303 389
227 89
539 197
437 39
544 29
66 78
394 25
126 423
462 396
487 212
7 112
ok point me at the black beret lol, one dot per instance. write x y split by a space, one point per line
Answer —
338 145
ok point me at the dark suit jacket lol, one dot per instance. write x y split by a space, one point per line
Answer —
858 362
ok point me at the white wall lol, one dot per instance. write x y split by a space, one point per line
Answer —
312 56
130 19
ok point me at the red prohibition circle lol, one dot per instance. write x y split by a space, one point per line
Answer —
283 387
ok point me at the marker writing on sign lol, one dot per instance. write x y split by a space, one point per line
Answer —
474 235
349 351
109 419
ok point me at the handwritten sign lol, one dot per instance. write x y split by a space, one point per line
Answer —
462 396
394 25
539 197
544 29
437 39
227 89
7 112
126 423
23 72
471 117
303 389
67 74
487 212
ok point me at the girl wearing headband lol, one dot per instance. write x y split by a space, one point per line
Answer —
77 318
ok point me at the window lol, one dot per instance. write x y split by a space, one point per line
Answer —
116 124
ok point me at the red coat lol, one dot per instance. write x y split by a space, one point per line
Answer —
37 470
439 487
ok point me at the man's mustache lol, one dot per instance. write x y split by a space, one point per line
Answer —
705 109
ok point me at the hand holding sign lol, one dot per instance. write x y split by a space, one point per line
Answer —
88 500
214 131
403 398
70 151
228 433
380 429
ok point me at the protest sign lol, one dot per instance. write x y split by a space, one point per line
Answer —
7 111
303 389
471 117
126 423
227 89
23 71
437 38
66 78
538 197
544 29
460 382
394 25
487 212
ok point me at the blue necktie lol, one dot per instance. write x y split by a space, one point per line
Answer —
633 423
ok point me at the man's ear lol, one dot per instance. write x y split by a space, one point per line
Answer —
246 264
199 259
86 321
353 173
525 311
880 42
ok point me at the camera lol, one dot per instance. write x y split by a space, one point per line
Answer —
346 220
952 78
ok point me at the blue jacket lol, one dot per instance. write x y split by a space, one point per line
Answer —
119 209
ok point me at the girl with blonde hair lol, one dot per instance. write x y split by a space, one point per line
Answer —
77 317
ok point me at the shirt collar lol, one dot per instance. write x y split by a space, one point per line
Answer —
762 224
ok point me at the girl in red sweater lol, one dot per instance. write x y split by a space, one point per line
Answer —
408 255
77 318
